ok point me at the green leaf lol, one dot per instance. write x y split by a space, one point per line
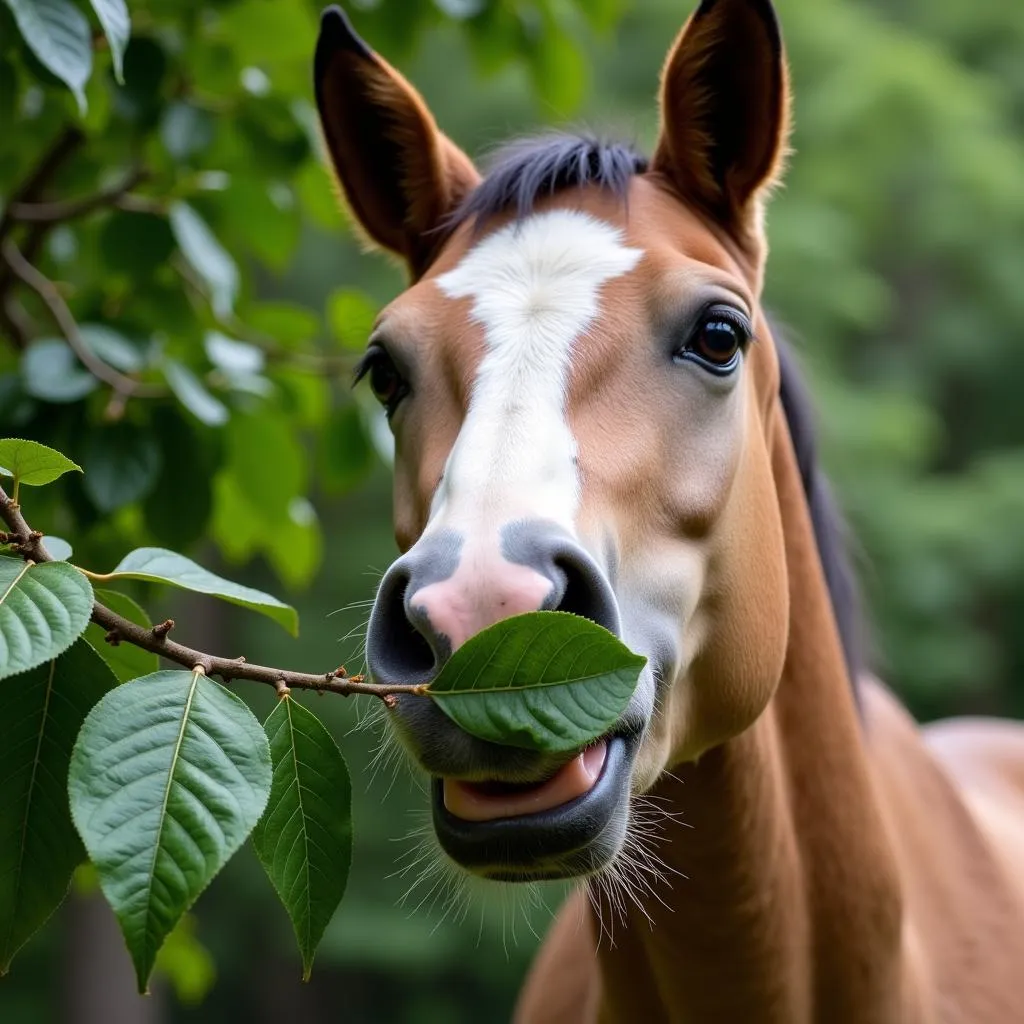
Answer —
113 348
558 68
233 357
40 715
125 660
32 463
57 548
295 549
117 27
547 681
43 610
190 392
50 371
58 34
156 565
178 509
304 840
350 315
267 461
186 963
208 257
287 323
122 464
261 32
345 450
168 777
135 243
186 130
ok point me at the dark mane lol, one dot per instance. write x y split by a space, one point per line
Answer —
533 168
830 531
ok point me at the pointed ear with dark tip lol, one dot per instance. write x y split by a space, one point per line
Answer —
400 175
725 111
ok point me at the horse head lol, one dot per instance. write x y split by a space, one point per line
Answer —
582 388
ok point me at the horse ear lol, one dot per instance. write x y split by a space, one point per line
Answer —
725 111
400 175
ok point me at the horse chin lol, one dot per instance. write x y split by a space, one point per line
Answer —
576 837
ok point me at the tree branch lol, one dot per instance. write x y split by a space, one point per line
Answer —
52 213
51 296
28 543
63 147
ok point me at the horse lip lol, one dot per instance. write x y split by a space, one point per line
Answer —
561 841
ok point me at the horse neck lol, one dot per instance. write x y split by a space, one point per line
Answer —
789 909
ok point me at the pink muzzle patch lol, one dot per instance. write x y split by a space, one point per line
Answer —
482 590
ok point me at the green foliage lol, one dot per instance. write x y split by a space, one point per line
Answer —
156 565
304 840
40 715
169 774
43 610
547 681
126 661
29 462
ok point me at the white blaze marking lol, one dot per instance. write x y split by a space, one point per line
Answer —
535 289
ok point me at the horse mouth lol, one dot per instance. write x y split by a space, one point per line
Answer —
490 801
568 824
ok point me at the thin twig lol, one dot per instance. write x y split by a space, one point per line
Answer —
52 160
51 213
28 543
58 308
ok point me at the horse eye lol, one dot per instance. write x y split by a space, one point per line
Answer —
717 341
386 383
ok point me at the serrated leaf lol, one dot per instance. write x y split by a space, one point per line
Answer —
117 26
32 463
43 610
168 777
125 660
208 257
58 34
190 392
50 371
304 839
157 565
40 715
547 681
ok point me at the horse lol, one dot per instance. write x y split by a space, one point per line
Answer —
591 413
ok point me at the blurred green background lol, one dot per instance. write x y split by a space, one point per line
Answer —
897 267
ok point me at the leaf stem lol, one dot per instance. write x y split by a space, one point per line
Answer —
156 640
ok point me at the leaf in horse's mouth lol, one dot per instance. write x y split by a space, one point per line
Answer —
546 681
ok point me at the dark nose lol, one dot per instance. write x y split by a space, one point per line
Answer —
448 587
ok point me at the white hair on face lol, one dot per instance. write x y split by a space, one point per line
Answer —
535 286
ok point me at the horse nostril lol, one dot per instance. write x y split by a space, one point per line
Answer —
587 593
396 651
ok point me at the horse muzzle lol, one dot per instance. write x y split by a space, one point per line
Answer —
500 811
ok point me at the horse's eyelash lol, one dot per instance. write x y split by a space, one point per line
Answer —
366 360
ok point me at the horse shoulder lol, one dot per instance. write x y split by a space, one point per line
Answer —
563 985
952 796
